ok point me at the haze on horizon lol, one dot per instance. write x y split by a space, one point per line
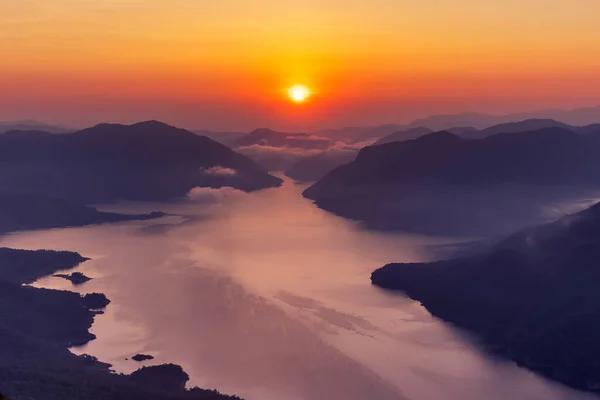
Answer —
226 65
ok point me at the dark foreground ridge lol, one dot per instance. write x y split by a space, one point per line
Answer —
533 297
37 326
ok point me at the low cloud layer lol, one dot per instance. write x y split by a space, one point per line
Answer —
211 195
262 150
274 158
217 170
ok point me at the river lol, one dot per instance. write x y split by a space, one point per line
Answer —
266 296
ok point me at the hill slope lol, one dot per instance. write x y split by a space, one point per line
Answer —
441 180
145 161
408 134
533 297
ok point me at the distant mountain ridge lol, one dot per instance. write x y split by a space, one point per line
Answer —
531 124
360 134
508 127
462 121
32 125
408 134
226 138
576 117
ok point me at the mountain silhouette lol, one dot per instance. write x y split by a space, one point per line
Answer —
547 155
472 133
412 133
524 126
360 134
226 138
575 117
108 162
442 180
532 297
589 129
464 123
447 121
32 125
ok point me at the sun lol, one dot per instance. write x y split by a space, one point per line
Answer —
299 93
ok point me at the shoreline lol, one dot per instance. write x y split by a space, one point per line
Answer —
42 325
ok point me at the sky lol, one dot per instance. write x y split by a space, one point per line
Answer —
227 64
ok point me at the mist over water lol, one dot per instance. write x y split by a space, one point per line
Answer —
266 296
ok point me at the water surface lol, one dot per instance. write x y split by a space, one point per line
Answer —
265 296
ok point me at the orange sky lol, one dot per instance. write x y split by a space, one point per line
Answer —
226 64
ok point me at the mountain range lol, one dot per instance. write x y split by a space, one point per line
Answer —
109 162
277 151
463 122
442 180
507 127
578 117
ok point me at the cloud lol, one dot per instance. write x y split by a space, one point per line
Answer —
217 170
354 146
308 138
257 150
265 149
211 195
274 158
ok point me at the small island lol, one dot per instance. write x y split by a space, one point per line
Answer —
76 278
142 357
95 301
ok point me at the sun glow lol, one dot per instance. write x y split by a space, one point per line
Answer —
299 93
